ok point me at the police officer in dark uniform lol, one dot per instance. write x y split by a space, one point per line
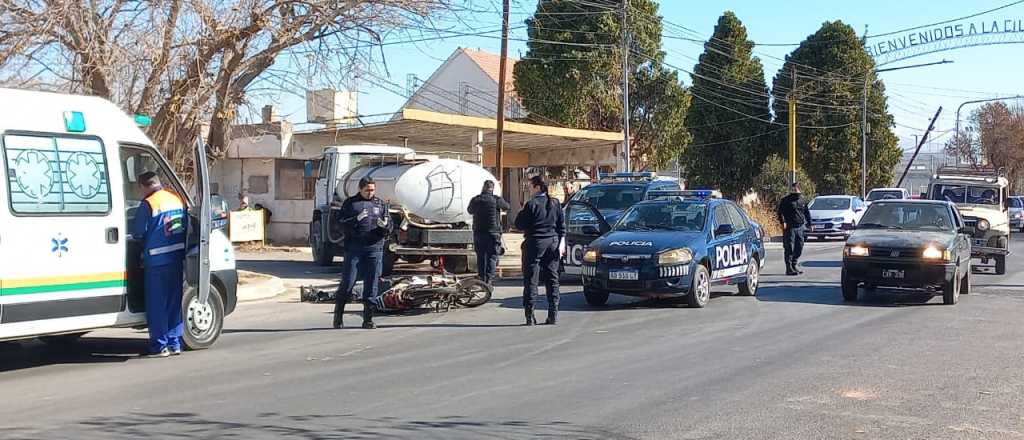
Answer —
366 225
543 224
486 210
794 218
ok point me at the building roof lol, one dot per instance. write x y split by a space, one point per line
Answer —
490 63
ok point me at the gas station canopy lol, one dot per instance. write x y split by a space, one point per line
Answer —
525 144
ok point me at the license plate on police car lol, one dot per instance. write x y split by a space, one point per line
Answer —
623 275
894 274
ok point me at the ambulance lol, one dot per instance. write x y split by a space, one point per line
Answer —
68 264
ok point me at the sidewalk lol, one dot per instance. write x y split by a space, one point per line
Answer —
254 286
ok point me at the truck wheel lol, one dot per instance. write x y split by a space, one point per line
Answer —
951 290
965 283
1001 265
749 287
700 290
203 322
849 288
456 264
595 297
323 255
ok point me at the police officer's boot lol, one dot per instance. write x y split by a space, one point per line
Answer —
552 313
368 316
339 311
530 319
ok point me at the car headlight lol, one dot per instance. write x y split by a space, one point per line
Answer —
590 256
934 253
1018 215
856 251
983 225
675 256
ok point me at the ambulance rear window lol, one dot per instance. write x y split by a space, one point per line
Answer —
49 175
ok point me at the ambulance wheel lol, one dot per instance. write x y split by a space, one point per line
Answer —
749 286
203 322
595 297
700 291
62 340
322 252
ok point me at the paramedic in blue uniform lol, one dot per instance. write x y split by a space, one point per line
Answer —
160 222
543 224
366 225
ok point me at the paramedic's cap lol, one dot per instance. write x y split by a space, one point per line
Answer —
149 178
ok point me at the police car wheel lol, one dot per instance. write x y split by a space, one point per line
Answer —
203 322
749 287
595 297
700 291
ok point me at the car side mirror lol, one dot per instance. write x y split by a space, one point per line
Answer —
723 230
590 230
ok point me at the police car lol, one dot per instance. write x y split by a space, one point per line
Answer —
611 196
674 244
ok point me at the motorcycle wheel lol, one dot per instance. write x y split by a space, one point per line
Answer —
473 293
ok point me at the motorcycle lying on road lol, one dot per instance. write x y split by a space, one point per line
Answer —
406 292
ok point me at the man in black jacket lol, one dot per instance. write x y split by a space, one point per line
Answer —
366 225
543 224
794 218
486 210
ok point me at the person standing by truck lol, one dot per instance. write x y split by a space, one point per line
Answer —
543 224
161 223
486 211
794 217
366 225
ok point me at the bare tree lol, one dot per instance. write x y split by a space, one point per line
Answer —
994 136
191 64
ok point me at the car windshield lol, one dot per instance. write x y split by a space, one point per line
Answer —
829 204
891 215
1016 202
971 194
884 195
670 216
612 197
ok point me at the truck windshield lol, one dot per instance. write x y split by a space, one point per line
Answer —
907 216
971 194
884 195
673 216
829 204
611 198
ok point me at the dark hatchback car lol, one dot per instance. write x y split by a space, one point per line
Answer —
910 244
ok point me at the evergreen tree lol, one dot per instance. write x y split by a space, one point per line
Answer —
727 116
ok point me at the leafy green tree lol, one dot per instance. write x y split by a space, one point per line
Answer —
772 181
729 85
572 74
831 66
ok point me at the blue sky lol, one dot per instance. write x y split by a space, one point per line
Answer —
914 95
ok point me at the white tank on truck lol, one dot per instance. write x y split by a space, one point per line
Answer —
428 197
436 190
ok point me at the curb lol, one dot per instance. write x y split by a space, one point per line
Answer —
268 288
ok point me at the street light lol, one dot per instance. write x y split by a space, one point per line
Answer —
957 130
864 122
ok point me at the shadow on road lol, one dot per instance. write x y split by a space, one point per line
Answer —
829 294
822 263
575 302
31 354
319 427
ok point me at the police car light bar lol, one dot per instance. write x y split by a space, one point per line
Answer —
627 176
688 194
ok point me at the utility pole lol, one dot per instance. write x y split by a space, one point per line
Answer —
792 130
864 130
625 83
920 143
500 142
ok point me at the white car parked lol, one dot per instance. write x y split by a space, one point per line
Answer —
887 194
834 216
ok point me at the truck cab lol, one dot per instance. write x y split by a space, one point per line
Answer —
981 195
70 192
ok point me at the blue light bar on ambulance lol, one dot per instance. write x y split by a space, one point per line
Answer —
686 194
611 177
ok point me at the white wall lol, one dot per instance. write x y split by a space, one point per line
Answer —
443 91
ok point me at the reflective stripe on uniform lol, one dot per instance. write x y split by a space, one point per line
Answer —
166 249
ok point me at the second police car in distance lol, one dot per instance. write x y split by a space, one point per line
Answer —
673 244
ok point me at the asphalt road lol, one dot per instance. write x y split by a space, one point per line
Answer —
793 363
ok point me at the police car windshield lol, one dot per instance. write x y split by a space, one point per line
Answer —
884 195
670 216
1016 202
975 195
891 215
829 204
611 197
